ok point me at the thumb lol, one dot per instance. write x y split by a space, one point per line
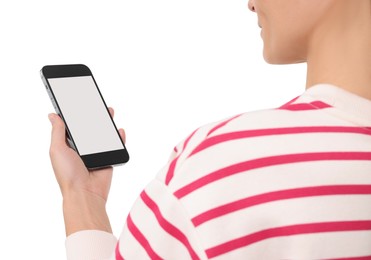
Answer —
58 130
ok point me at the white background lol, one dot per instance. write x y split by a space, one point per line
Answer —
166 66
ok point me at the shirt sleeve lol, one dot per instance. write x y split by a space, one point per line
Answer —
158 227
89 245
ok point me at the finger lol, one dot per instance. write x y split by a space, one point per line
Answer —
58 130
111 111
122 134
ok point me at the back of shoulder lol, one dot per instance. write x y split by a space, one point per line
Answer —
303 125
295 116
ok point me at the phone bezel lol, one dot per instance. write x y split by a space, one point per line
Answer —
91 161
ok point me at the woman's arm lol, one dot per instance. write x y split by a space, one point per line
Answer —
84 192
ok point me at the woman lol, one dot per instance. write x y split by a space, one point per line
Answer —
286 183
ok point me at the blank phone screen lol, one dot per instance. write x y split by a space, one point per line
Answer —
85 114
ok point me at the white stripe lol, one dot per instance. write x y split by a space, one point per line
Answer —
282 177
306 247
161 242
174 212
274 118
232 152
130 247
285 213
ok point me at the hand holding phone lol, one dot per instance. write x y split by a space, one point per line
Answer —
85 192
83 174
69 169
90 129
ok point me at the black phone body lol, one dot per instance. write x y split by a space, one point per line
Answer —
91 131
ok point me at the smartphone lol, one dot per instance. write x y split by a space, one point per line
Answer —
91 131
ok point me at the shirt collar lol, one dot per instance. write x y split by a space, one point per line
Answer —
354 106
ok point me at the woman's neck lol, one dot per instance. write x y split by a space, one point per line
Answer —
340 49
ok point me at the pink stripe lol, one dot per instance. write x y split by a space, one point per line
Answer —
268 161
280 195
117 252
289 103
353 258
222 124
320 104
188 139
141 239
167 226
277 131
306 106
170 172
288 231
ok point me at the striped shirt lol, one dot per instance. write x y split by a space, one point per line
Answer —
286 183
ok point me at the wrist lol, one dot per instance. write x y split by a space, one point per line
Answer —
84 211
